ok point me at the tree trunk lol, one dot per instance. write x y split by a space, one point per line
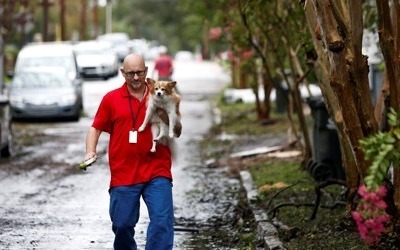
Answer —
389 38
343 72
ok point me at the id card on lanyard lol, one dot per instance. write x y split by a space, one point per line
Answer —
133 136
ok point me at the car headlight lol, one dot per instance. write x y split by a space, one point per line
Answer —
17 101
68 99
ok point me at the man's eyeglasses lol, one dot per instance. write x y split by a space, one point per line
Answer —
132 74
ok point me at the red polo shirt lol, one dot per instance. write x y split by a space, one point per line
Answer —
130 163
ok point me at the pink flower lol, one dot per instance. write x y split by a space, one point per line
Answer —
381 204
381 191
356 216
247 54
362 190
215 33
370 215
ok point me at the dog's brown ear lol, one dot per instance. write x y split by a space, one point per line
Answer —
150 81
172 84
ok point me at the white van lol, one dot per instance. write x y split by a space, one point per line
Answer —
45 54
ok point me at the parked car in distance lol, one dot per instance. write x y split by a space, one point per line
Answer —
45 92
184 55
96 59
119 41
138 46
5 128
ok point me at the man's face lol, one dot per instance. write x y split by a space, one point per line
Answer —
135 76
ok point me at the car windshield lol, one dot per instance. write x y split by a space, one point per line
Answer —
92 51
29 62
115 39
40 80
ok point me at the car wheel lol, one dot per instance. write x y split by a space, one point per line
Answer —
7 150
76 116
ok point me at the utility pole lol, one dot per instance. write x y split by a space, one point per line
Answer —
22 21
82 29
109 16
95 19
62 20
46 4
1 55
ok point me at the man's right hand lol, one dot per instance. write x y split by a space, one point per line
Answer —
90 155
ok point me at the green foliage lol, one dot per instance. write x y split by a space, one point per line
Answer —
178 24
383 150
241 118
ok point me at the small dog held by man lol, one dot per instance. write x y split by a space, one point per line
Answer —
162 95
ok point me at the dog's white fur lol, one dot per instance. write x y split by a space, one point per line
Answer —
162 95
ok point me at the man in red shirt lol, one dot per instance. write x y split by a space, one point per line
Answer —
164 65
135 171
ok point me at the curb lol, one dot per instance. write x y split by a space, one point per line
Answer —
266 232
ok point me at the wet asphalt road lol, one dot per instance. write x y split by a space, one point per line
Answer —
46 203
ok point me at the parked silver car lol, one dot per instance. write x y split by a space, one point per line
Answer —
96 59
5 128
45 92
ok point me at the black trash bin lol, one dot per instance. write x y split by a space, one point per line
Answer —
327 160
282 99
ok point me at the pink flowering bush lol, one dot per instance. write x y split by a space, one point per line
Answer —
370 214
382 150
215 33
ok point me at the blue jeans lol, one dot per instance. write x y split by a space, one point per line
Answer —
124 214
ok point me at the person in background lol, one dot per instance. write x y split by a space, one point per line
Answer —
135 171
164 65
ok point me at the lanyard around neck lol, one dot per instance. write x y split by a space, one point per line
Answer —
134 117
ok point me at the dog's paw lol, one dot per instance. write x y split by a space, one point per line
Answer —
171 135
141 128
153 147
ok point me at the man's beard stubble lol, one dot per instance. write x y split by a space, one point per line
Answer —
135 84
